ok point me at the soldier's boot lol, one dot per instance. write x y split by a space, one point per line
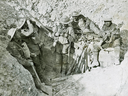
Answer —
117 55
58 69
64 69
40 73
95 62
58 65
65 64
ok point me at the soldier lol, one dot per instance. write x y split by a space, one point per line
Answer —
30 36
67 39
112 38
84 24
107 30
108 25
110 32
16 50
57 47
66 36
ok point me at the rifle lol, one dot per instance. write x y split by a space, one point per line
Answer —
33 68
72 66
80 59
69 50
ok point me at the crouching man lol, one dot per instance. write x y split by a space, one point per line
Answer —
16 49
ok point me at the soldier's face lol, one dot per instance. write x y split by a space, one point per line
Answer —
24 30
65 25
107 23
74 18
10 21
108 34
18 35
70 24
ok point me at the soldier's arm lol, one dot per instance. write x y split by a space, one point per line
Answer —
88 22
21 60
95 28
111 38
90 47
71 32
24 62
30 26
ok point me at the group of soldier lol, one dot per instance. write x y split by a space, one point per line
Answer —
77 38
80 38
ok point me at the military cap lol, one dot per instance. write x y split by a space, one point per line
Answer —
65 20
75 13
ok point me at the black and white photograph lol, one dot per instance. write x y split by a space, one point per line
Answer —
63 47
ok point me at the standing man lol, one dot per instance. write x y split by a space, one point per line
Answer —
65 38
57 47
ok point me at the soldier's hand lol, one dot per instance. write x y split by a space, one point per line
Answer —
28 22
33 54
30 62
40 44
53 49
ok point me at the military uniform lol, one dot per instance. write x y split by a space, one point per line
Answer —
35 53
19 52
64 38
31 38
112 39
84 24
16 51
107 34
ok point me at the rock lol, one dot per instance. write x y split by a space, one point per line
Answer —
109 57
99 84
123 91
13 85
110 81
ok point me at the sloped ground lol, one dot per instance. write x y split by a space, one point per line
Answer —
14 79
111 81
